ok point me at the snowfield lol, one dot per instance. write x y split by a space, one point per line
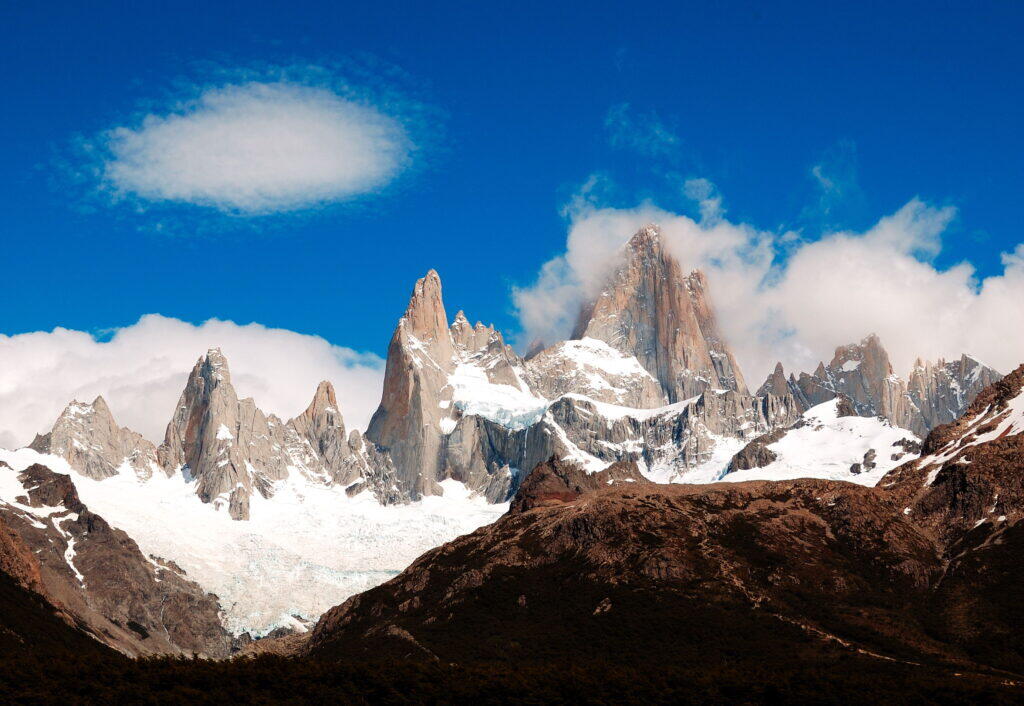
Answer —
827 445
304 551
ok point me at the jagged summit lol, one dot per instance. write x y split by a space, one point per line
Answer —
649 309
88 437
935 393
647 238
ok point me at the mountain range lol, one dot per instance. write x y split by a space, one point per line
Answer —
622 493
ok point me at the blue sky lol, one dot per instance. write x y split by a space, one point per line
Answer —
509 109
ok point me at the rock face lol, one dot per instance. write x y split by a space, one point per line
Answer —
98 578
227 445
435 374
942 391
232 449
861 372
89 439
651 311
408 421
322 427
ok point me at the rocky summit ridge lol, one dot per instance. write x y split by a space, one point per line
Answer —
935 393
646 377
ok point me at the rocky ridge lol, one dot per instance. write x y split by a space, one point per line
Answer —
936 393
647 377
87 436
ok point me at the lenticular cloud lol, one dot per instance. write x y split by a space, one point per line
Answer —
257 148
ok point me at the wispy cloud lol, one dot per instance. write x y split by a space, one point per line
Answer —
253 144
644 133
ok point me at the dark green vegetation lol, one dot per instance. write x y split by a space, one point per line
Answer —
838 678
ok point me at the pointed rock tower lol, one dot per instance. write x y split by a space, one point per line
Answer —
88 438
407 424
650 310
322 426
229 446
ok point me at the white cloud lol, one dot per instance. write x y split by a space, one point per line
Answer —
643 133
708 199
825 293
255 148
141 370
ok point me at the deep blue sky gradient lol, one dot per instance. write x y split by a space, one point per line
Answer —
904 99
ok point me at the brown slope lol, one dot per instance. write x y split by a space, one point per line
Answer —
640 572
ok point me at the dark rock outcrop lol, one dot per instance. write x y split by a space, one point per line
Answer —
97 575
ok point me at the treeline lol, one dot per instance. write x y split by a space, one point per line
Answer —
85 678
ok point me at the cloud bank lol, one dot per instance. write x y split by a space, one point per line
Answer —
254 148
780 297
141 370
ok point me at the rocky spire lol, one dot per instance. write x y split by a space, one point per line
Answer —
650 310
323 427
88 438
941 391
407 424
776 384
229 446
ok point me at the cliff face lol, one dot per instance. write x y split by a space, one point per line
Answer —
648 309
861 373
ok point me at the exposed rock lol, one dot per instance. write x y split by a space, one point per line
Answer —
942 391
88 438
556 482
232 449
648 309
776 384
322 426
756 454
420 358
867 464
96 574
936 393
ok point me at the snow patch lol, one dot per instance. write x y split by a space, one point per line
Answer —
511 407
827 445
304 550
